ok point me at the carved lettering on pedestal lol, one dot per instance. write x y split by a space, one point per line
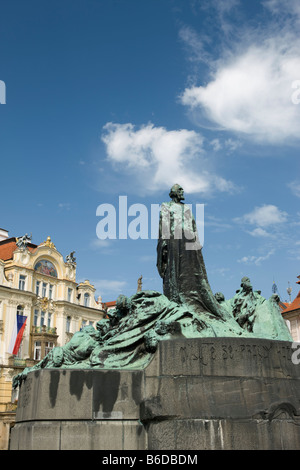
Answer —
209 352
227 352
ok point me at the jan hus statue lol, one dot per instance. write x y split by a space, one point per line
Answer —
180 261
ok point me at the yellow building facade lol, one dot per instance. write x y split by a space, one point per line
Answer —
38 285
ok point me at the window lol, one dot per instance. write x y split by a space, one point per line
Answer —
37 351
83 324
68 325
48 346
20 310
42 318
37 287
35 318
22 282
49 320
50 291
86 300
70 291
44 289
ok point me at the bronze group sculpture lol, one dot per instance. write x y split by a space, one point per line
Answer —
128 337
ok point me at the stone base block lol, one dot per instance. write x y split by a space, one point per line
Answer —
196 394
79 435
216 434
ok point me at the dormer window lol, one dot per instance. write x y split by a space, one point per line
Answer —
86 300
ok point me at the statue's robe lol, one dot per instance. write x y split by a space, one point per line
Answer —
180 261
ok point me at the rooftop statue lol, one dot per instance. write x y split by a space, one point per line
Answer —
70 258
22 242
128 336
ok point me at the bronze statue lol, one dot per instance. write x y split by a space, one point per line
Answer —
183 270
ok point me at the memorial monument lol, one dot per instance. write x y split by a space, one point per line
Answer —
185 369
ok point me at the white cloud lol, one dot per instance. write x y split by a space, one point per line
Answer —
107 287
232 144
216 223
257 260
196 44
64 206
250 88
158 158
97 243
295 188
260 232
264 216
290 7
216 145
105 247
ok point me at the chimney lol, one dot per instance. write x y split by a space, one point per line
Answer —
3 234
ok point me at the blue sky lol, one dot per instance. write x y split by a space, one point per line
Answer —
112 98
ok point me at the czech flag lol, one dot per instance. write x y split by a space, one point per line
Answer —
17 334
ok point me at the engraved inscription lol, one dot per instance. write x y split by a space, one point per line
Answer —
227 352
257 355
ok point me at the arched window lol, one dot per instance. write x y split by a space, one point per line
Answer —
20 310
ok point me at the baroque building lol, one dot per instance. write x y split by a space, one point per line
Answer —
291 313
41 306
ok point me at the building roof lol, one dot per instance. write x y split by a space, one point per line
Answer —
8 246
295 305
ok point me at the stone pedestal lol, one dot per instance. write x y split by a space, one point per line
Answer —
196 394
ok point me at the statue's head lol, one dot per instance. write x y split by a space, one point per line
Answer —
219 296
246 284
176 193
